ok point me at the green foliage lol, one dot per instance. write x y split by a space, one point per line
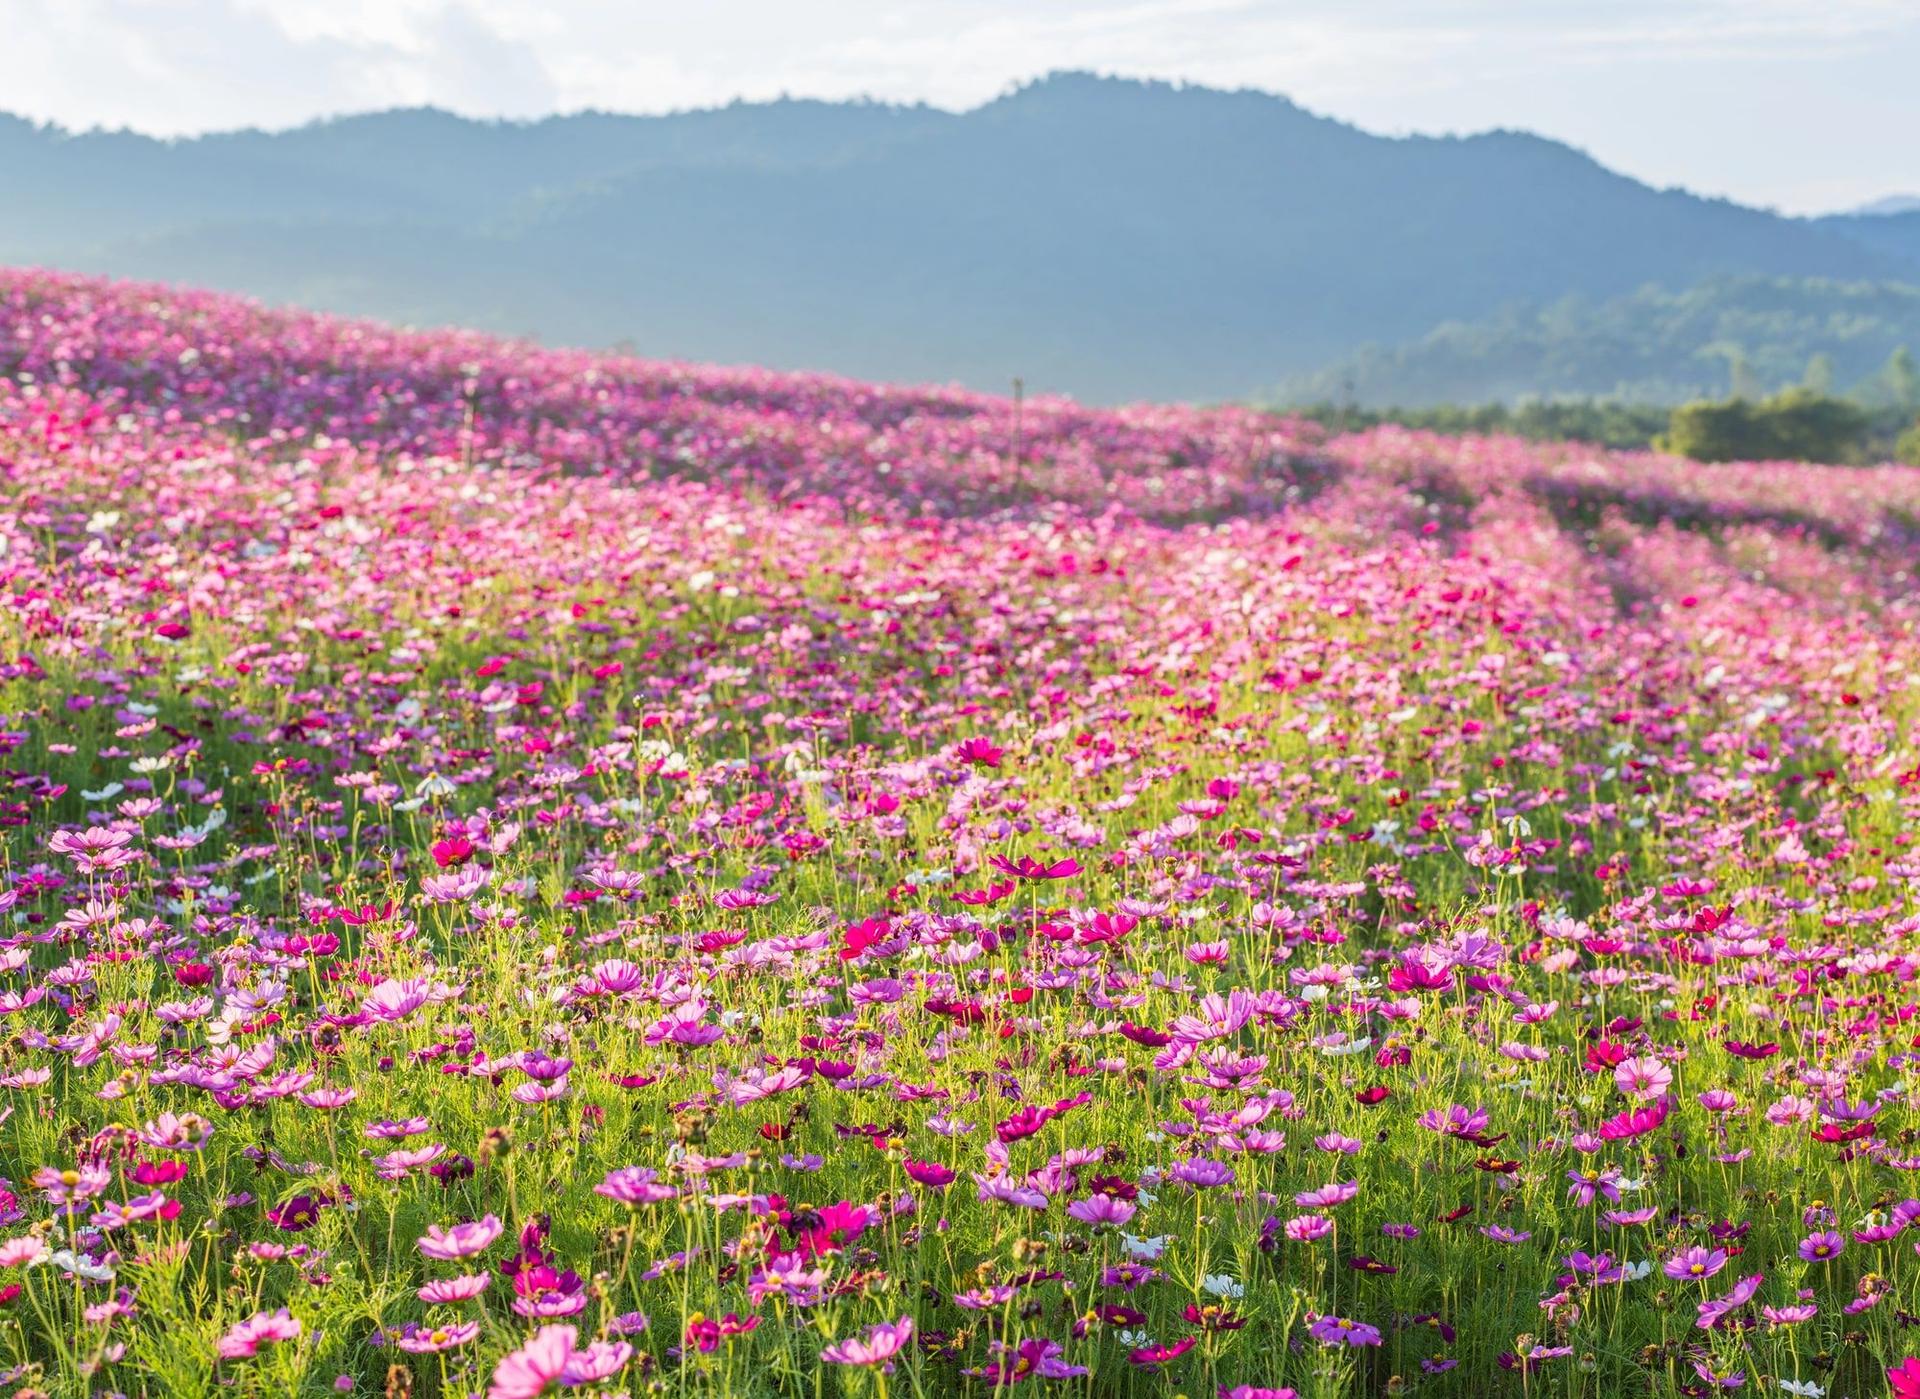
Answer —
1607 424
1907 448
1795 425
1819 375
1902 379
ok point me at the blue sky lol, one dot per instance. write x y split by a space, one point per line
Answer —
1802 105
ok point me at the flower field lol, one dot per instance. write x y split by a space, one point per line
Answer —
531 872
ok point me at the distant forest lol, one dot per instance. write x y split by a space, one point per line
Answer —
1729 337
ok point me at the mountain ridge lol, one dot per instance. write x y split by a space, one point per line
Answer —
1105 237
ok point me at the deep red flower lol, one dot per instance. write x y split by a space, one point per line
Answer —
1026 867
1903 1380
860 936
1152 1357
980 753
452 852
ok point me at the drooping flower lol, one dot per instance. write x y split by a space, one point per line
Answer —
1717 1310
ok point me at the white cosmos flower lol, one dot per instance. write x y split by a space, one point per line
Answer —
69 1261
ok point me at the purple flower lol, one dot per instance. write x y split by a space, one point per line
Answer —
1456 1121
1696 1263
1338 1331
1101 1209
1586 1185
635 1185
1822 1247
1200 1172
1328 1196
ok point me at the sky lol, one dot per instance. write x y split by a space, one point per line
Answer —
1801 105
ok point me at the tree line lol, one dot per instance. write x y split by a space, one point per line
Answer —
1807 422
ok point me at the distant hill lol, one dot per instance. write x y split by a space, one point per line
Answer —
1108 238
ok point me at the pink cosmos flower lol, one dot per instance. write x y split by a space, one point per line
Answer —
1695 1264
22 1252
1101 1209
246 1337
1153 1357
392 1000
460 1289
527 1372
423 1340
1200 1172
877 1347
1643 1077
1636 1121
601 1360
1328 1196
462 1240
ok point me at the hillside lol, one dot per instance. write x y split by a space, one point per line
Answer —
548 873
1107 238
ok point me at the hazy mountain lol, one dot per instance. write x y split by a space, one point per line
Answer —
1895 234
1891 204
1109 238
